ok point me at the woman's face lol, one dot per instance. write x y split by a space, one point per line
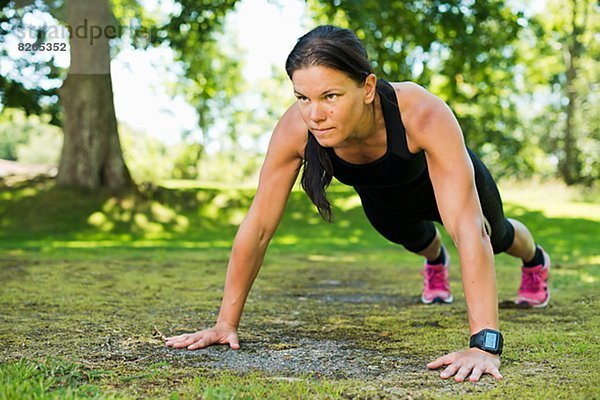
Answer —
331 103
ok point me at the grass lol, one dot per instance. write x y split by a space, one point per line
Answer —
88 283
48 379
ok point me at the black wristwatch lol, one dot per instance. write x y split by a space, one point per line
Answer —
488 340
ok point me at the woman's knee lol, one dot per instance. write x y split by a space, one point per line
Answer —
426 244
503 238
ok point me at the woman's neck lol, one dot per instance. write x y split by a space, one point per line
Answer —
369 125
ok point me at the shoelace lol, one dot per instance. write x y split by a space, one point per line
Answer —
435 279
530 281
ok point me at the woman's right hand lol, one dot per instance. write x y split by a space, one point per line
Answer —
221 333
277 176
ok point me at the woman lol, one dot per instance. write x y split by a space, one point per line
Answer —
402 150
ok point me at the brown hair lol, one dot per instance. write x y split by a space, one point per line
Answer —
339 49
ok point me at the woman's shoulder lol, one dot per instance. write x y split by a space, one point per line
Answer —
291 132
418 109
411 94
416 103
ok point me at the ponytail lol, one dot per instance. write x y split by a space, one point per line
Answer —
316 176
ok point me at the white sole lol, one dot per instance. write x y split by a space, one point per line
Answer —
437 300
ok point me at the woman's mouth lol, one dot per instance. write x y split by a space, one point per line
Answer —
321 132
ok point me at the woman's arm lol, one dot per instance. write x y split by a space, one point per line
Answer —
452 176
433 128
277 176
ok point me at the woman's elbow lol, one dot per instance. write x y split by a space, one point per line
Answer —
468 231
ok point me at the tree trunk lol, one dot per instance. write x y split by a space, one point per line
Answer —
91 154
570 166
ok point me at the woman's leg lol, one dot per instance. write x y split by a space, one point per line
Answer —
512 237
432 252
523 245
421 238
436 286
534 290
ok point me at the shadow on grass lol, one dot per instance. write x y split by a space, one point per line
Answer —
39 212
566 238
45 212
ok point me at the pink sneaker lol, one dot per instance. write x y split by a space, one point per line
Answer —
534 290
437 287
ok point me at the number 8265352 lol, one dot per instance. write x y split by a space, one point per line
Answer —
42 47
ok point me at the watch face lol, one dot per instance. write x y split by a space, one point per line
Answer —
491 340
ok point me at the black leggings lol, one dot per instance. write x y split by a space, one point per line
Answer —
416 233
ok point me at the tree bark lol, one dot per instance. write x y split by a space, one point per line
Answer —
91 154
570 166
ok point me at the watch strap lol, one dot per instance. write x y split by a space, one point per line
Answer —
485 341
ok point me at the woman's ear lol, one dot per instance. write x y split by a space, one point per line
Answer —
370 88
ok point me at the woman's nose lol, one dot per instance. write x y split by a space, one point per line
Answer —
316 113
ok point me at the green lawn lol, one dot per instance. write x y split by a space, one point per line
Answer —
88 284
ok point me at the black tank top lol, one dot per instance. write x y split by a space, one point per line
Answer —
397 181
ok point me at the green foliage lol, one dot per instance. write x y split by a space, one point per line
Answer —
211 64
148 159
25 91
564 35
194 31
187 161
236 167
195 20
151 161
29 139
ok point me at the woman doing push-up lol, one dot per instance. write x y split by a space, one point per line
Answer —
402 150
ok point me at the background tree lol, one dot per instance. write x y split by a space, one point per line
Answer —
523 87
91 155
560 56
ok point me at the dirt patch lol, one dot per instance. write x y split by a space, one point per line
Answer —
329 283
288 357
297 357
11 270
509 304
360 298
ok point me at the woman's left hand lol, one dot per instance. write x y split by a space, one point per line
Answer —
473 362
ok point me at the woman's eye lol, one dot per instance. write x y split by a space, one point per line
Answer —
331 96
302 99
